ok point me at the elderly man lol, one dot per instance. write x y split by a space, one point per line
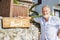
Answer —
49 25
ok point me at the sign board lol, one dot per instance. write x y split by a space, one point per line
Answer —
15 22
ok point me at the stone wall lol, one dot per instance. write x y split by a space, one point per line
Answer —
19 33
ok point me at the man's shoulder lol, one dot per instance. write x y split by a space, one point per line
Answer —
40 18
55 18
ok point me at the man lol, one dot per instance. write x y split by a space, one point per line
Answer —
49 25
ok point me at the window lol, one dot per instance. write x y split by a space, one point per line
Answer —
39 1
57 12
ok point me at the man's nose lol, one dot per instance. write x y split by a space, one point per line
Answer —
45 13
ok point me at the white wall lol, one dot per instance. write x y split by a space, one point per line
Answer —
51 3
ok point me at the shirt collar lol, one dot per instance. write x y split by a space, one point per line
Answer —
48 19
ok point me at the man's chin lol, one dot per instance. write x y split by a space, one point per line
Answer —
46 16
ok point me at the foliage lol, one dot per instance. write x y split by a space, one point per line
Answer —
35 14
16 1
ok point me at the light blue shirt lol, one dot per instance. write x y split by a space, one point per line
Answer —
49 29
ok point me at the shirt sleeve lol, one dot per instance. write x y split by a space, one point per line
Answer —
58 22
37 20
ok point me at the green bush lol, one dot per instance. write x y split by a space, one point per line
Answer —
16 2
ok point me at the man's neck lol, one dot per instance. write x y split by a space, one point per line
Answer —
46 19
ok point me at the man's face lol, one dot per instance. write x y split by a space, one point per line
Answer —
46 11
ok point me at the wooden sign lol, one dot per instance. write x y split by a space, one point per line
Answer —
10 22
